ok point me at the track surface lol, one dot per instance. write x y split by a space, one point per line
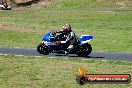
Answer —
93 55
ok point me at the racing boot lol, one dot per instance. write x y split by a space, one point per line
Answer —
66 52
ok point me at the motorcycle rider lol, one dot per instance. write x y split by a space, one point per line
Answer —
71 38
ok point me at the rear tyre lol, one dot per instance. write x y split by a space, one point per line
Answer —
43 49
84 50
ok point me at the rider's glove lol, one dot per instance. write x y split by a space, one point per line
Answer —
58 42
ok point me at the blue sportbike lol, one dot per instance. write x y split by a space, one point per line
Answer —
49 45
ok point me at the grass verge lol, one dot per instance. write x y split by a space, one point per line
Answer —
43 72
91 5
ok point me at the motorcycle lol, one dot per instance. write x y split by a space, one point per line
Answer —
49 45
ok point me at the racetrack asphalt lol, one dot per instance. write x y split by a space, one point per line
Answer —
94 55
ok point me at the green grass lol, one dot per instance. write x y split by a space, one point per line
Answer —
43 72
112 31
91 5
18 39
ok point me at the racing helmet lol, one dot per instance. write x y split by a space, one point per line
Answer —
67 28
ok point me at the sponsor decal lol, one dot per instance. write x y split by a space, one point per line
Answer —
83 78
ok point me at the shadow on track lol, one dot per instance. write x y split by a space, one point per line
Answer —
73 55
87 57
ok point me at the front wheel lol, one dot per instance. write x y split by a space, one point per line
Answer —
84 50
43 49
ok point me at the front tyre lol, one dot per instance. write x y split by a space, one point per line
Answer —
43 49
84 50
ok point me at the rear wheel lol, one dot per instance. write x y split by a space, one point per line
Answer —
43 49
84 50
